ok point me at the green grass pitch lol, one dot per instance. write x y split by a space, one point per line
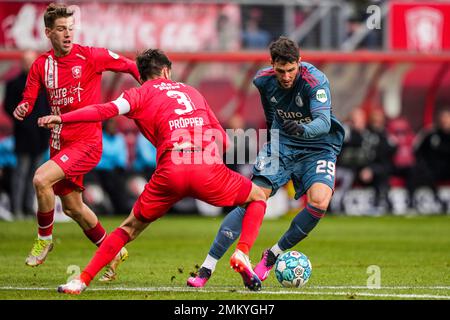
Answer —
412 254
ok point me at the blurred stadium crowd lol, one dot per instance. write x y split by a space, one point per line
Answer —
388 164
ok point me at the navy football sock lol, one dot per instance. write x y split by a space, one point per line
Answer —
229 231
301 225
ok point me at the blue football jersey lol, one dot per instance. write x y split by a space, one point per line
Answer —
308 102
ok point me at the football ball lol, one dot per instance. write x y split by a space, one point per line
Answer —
293 269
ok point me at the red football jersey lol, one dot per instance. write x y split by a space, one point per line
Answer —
173 115
72 82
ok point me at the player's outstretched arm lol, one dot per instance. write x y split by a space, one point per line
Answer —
21 111
106 60
92 113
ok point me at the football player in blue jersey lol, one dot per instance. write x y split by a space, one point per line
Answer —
305 141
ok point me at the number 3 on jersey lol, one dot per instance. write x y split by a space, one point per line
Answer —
324 166
183 99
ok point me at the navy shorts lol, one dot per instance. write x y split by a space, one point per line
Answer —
304 166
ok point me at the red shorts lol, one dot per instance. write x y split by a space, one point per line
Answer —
213 183
75 160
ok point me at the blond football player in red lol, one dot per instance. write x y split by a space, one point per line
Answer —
71 75
177 120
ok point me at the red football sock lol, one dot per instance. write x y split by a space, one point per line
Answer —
97 234
45 223
109 248
251 223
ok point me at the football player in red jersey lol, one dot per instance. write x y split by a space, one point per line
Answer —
189 140
71 75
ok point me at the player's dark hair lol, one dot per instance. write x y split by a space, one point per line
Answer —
151 62
284 50
55 11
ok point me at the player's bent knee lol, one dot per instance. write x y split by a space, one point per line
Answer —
320 202
40 182
257 194
319 196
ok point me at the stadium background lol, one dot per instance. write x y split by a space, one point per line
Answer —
373 52
375 58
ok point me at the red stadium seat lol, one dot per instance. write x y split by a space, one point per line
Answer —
6 124
400 131
126 125
219 93
397 182
252 111
130 139
129 129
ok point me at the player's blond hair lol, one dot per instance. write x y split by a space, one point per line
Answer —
55 11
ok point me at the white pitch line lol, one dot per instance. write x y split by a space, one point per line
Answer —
383 288
368 294
218 290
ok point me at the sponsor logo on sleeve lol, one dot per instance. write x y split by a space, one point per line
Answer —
321 95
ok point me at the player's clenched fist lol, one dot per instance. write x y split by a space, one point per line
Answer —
49 121
21 111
